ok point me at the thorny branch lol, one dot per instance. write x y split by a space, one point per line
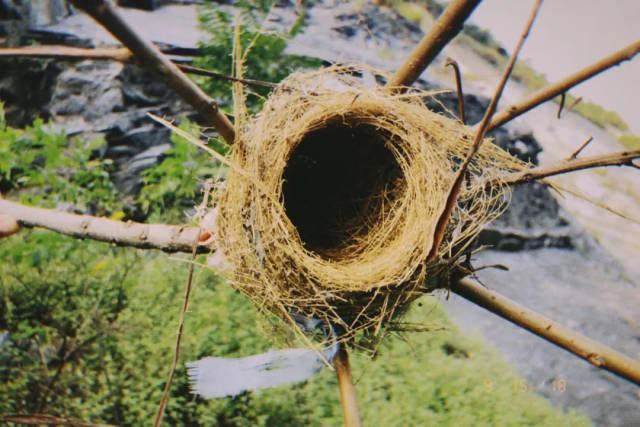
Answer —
151 57
592 351
625 54
445 28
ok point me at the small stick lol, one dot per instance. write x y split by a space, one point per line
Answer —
591 351
114 54
624 54
452 197
456 71
445 28
575 154
577 101
348 394
151 57
622 158
176 354
563 98
169 238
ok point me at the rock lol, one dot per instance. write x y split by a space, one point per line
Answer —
9 10
129 179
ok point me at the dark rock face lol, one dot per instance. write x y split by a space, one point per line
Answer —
26 88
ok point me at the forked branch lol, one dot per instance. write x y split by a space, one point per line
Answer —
625 54
445 28
591 351
168 238
151 57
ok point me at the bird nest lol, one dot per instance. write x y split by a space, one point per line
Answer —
331 203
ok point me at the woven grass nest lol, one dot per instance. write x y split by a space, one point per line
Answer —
330 204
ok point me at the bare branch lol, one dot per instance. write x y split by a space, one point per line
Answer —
576 153
452 197
176 352
169 238
563 98
119 54
625 54
149 56
348 395
622 158
445 28
592 351
190 69
113 54
456 71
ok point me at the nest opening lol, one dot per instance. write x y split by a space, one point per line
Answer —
335 190
331 183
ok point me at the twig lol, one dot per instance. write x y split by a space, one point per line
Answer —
622 158
456 71
149 56
176 354
592 351
348 394
625 54
450 201
169 238
120 54
190 69
575 154
577 101
563 98
445 28
113 54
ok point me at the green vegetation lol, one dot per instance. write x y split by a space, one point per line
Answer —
598 115
87 330
175 183
630 142
264 47
37 164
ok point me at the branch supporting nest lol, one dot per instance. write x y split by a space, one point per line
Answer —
151 57
591 351
168 238
445 28
348 394
113 54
